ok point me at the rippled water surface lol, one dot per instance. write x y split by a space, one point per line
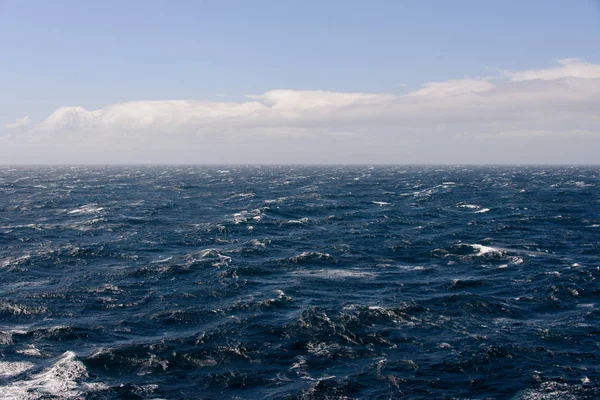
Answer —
300 282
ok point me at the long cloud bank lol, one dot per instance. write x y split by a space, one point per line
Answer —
533 116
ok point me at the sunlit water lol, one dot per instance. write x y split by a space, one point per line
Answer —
300 282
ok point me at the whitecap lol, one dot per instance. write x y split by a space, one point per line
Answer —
381 203
483 210
336 273
31 351
550 391
87 209
19 309
424 193
516 260
301 362
162 260
61 380
10 369
298 221
7 262
258 243
306 255
322 349
240 196
464 205
93 221
411 268
482 250
219 259
246 216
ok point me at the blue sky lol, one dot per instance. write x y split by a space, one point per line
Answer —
95 54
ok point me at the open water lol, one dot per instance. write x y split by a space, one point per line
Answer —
299 282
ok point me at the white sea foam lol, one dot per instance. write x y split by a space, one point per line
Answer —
298 221
93 221
463 205
322 349
246 216
483 210
336 273
381 203
258 243
305 255
220 259
9 262
424 193
19 309
31 351
516 260
240 196
411 267
162 260
61 380
87 209
299 364
10 369
482 250
550 391
513 261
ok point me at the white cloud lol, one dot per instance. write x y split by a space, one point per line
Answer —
317 100
456 121
531 134
453 88
568 67
19 123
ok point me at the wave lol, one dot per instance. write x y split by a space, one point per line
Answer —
311 256
247 216
381 203
64 379
335 273
87 209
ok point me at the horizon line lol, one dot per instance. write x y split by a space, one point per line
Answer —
160 164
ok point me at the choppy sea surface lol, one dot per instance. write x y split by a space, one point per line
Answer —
299 282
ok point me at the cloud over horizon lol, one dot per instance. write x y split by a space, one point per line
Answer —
531 116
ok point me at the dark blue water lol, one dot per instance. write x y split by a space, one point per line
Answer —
300 282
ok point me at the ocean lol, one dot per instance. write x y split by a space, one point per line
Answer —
300 282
